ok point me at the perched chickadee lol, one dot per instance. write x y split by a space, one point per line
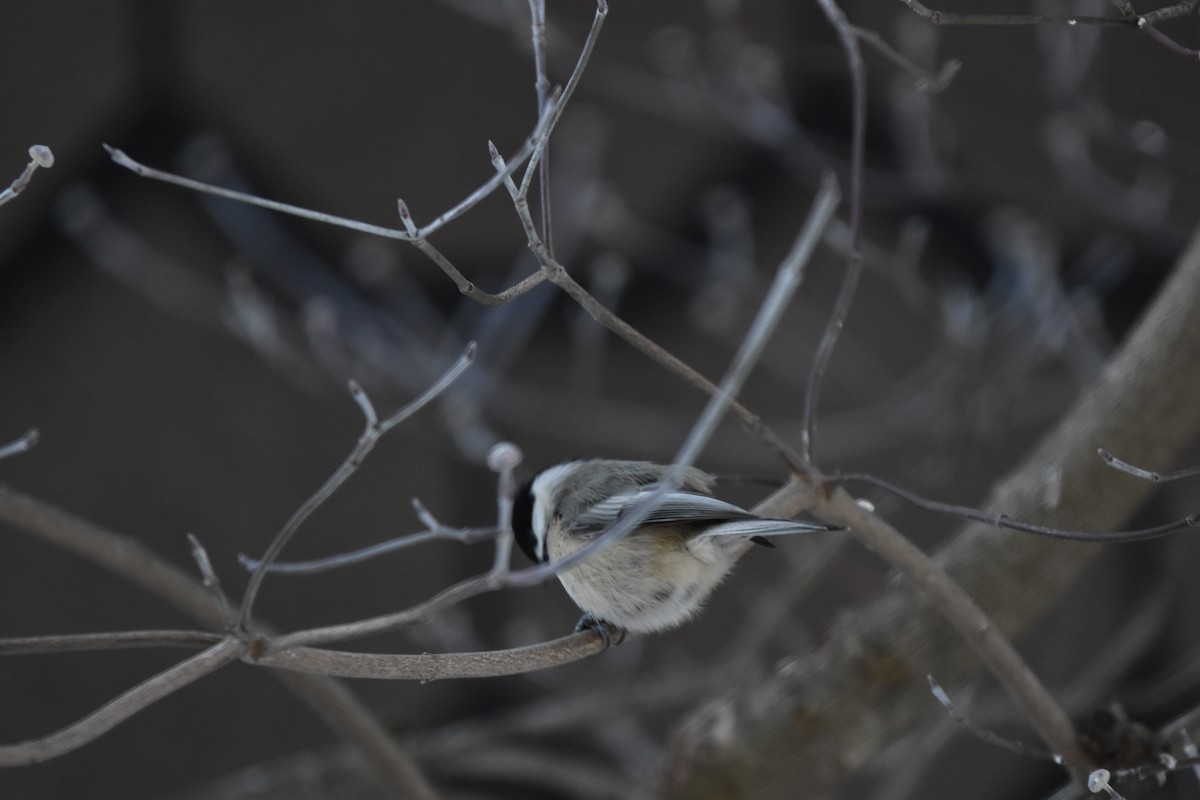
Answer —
659 575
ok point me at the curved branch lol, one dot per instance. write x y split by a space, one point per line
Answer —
827 713
122 707
131 560
437 666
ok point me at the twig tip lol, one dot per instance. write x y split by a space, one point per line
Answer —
504 457
42 156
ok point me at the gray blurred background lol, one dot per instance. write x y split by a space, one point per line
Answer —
185 360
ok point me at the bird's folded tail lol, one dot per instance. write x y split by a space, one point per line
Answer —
763 528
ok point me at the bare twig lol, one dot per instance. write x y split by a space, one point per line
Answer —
504 459
1128 18
22 445
936 17
787 280
1020 748
71 643
129 559
1155 477
845 298
1098 781
436 666
926 80
374 430
537 22
823 207
39 156
471 200
1004 521
832 710
211 582
972 623
121 708
585 54
463 535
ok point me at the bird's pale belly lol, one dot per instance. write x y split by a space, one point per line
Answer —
648 584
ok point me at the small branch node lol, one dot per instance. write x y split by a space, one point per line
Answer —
504 457
1145 474
21 445
425 515
1019 748
211 582
41 155
1097 782
406 218
364 403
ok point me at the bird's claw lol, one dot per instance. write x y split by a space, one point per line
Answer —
606 630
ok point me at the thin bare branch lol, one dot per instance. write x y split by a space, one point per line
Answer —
210 580
436 666
936 17
122 707
823 207
585 53
854 262
1128 18
503 459
537 22
71 643
448 597
39 156
129 559
463 535
1020 748
374 430
22 445
926 81
787 280
1004 521
793 727
1155 477
489 186
971 622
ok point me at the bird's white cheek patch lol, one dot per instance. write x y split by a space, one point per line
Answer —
543 499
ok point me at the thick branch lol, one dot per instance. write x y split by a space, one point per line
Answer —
437 666
828 713
129 559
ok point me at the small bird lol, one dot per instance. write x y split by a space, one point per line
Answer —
659 575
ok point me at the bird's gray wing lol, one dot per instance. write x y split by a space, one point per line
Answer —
765 527
672 507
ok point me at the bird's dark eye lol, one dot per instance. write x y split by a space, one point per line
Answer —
522 521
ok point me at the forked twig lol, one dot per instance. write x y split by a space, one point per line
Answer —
123 640
39 156
1003 521
1154 477
854 263
375 428
122 707
24 444
787 280
1020 748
